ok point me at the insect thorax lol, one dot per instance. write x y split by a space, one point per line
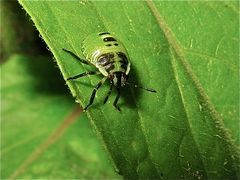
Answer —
107 53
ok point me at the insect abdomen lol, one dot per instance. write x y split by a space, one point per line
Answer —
105 52
106 61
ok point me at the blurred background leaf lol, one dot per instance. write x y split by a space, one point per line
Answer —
18 35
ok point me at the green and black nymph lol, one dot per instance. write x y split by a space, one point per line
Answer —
104 52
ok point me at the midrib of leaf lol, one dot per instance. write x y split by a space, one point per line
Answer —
178 52
152 8
185 108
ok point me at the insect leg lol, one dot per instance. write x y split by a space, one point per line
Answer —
76 57
108 94
147 89
137 86
83 74
94 92
116 100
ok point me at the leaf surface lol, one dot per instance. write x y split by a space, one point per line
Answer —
180 128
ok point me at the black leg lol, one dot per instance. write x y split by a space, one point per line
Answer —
108 94
137 86
76 57
83 74
116 100
94 92
147 89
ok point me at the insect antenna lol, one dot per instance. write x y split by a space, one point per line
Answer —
137 86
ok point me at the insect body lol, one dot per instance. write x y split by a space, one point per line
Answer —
110 57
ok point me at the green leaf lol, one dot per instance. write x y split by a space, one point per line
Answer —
183 50
43 134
